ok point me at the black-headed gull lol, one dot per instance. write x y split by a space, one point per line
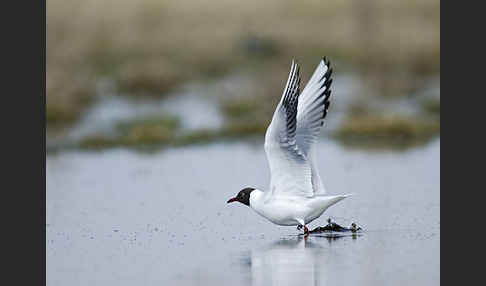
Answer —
296 195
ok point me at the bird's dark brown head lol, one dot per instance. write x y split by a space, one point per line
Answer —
242 197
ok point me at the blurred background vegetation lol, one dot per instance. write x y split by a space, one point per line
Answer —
151 48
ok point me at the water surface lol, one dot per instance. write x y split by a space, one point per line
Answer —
122 217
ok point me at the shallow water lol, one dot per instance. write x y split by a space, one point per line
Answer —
122 217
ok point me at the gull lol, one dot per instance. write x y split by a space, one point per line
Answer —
296 195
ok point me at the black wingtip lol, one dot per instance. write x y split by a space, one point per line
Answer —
327 61
328 78
328 83
327 93
328 73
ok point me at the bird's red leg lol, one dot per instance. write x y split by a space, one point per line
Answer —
306 230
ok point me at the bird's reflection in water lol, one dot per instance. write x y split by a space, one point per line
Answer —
293 261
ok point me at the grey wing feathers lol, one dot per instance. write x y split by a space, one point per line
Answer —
313 106
283 129
312 109
290 170
295 126
290 101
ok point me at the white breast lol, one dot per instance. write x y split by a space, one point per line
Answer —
282 211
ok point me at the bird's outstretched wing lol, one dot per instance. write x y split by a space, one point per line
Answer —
311 111
294 129
289 167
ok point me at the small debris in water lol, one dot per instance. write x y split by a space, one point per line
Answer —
334 227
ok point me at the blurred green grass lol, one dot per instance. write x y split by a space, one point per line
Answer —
143 131
431 106
152 46
386 127
164 131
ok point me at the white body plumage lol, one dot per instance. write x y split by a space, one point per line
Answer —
291 211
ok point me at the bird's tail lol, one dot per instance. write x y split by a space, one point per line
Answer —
331 200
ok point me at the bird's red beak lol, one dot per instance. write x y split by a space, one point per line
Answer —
232 200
